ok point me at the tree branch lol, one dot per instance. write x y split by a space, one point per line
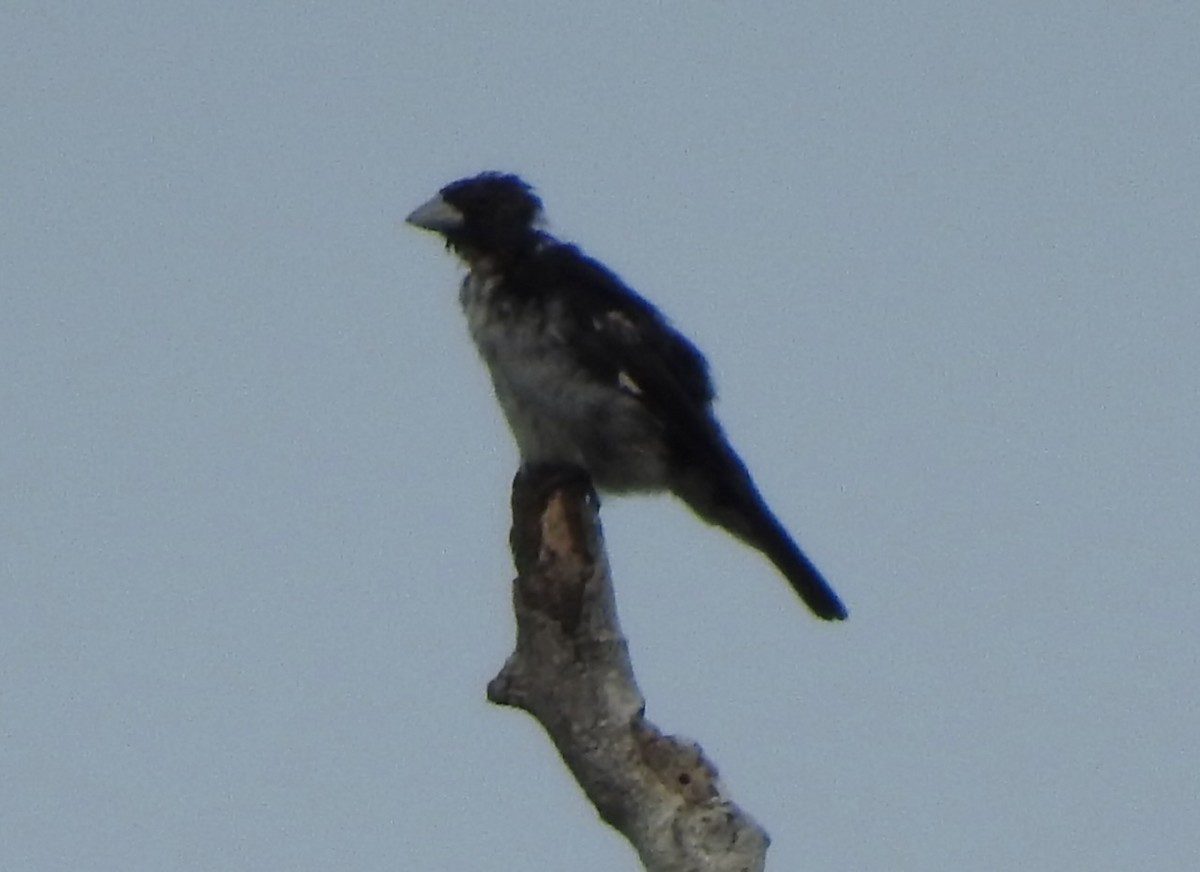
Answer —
571 671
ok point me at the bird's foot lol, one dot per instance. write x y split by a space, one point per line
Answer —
536 481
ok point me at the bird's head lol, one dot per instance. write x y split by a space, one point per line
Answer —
488 216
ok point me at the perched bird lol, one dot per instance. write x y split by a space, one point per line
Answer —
591 375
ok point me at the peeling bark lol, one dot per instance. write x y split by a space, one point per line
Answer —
571 671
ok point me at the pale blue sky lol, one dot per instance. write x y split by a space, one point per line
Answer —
944 259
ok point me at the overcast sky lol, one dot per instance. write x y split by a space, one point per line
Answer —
943 257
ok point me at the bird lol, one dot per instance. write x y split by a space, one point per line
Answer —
590 375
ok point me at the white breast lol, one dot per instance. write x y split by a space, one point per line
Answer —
557 412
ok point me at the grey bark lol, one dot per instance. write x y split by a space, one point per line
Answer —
571 671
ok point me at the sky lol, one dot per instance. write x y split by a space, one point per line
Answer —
944 259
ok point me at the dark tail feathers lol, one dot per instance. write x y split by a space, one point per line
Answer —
728 498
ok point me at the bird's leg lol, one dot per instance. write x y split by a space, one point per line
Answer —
536 481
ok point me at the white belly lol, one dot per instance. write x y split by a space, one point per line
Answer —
557 412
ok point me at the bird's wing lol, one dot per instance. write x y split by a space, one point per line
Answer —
623 340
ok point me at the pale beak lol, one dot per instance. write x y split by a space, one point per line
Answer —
436 215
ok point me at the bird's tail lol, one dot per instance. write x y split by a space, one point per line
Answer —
728 498
800 572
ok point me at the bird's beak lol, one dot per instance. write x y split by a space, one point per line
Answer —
436 215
